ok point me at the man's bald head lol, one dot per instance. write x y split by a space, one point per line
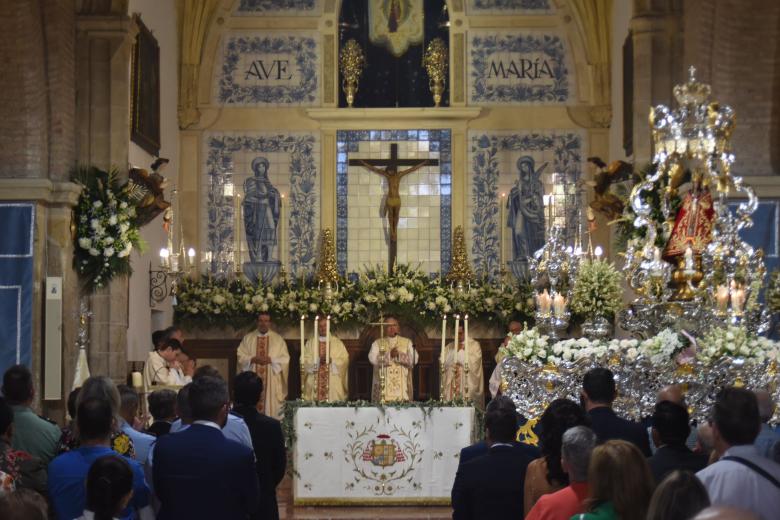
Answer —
765 405
515 327
673 393
724 513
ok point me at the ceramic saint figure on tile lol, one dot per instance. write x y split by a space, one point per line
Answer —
525 207
261 212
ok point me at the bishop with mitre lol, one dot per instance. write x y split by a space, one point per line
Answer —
325 366
265 352
457 383
395 355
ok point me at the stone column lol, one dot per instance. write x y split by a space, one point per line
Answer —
103 55
657 34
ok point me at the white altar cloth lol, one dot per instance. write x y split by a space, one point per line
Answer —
369 455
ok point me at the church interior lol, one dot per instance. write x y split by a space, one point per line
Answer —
407 181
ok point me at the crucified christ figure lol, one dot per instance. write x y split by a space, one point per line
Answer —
392 208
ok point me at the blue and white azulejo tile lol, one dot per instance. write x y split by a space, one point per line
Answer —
269 68
532 7
519 67
279 8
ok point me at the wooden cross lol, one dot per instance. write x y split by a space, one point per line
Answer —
393 175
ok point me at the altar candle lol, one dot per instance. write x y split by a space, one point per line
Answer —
722 298
138 380
657 254
543 302
457 326
303 333
501 227
282 231
559 305
317 339
327 341
238 232
737 300
443 339
465 355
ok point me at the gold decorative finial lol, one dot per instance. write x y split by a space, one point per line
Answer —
328 270
351 62
460 270
435 61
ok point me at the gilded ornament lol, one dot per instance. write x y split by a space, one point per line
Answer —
328 272
460 270
351 63
435 61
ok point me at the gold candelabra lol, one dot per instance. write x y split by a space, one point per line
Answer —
435 61
351 63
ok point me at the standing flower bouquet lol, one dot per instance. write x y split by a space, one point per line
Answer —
736 342
662 348
597 290
106 228
528 345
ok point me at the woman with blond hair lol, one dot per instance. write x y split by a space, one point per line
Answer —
619 481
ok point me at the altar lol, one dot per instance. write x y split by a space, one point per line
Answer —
388 455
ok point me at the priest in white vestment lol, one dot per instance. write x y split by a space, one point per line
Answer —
325 371
395 355
162 367
457 381
265 352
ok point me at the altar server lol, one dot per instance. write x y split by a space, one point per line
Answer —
264 352
396 355
325 368
456 381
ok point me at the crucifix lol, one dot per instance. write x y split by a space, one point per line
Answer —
393 176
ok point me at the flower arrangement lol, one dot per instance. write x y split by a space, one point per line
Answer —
661 348
597 290
735 342
528 345
106 228
409 293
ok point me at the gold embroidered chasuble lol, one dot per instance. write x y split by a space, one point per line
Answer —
274 374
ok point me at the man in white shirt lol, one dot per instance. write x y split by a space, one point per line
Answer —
396 356
741 478
264 352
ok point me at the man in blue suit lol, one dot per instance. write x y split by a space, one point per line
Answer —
481 447
198 473
491 486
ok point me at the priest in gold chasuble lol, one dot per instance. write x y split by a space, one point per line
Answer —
457 383
265 352
325 373
396 356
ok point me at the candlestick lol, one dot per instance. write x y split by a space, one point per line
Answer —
327 341
688 258
737 301
138 380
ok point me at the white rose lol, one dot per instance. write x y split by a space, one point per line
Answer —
108 252
94 223
112 220
123 205
248 307
85 243
97 204
219 299
291 307
744 350
93 251
527 352
431 306
313 307
264 307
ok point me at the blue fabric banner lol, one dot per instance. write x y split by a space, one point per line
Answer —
17 222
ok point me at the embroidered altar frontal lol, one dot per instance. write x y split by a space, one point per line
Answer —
368 455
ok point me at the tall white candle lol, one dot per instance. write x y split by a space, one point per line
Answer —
316 339
457 326
283 232
443 338
303 334
465 355
327 341
238 232
501 229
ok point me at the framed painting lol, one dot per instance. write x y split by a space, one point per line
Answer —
145 106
